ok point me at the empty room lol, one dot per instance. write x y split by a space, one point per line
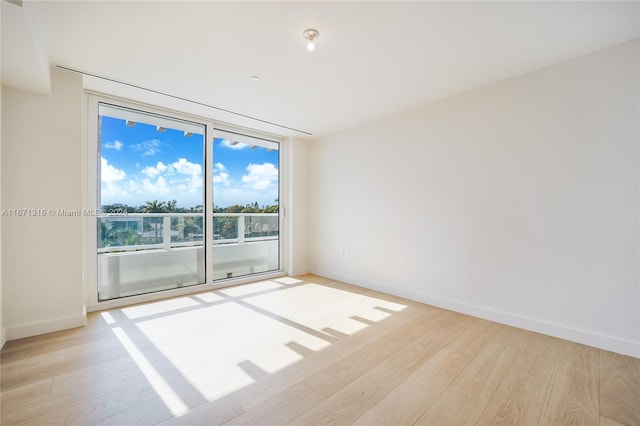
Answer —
320 212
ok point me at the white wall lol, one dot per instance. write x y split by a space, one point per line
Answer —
41 169
297 214
516 202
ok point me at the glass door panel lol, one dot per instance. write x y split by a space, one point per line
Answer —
246 213
151 197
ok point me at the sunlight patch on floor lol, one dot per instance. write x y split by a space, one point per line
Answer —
162 388
107 317
243 290
209 297
320 307
161 307
236 335
224 340
287 280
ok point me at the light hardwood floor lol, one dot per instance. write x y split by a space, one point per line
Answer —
309 350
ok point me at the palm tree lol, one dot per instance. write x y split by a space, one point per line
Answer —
155 207
107 234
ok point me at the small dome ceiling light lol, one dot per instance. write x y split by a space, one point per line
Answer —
310 35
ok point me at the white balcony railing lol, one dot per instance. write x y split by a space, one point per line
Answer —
144 252
144 231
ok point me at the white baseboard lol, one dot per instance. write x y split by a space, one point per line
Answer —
3 337
609 343
35 329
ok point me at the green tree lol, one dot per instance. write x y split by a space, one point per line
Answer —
270 209
236 208
155 207
106 234
110 235
193 225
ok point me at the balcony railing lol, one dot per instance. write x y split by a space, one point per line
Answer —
145 231
146 252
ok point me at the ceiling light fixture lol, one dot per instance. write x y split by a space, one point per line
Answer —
310 35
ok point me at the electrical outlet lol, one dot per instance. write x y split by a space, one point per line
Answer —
340 252
347 252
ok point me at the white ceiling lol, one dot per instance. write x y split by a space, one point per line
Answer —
372 59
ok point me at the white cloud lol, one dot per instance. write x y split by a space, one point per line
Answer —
154 190
159 168
195 183
150 147
220 174
133 186
233 145
180 180
261 176
187 168
117 145
112 191
183 181
109 173
222 178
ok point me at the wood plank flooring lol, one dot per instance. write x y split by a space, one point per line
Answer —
309 350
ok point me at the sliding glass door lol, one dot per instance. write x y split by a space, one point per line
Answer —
151 198
246 205
164 188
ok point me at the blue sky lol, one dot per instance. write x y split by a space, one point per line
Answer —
140 164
